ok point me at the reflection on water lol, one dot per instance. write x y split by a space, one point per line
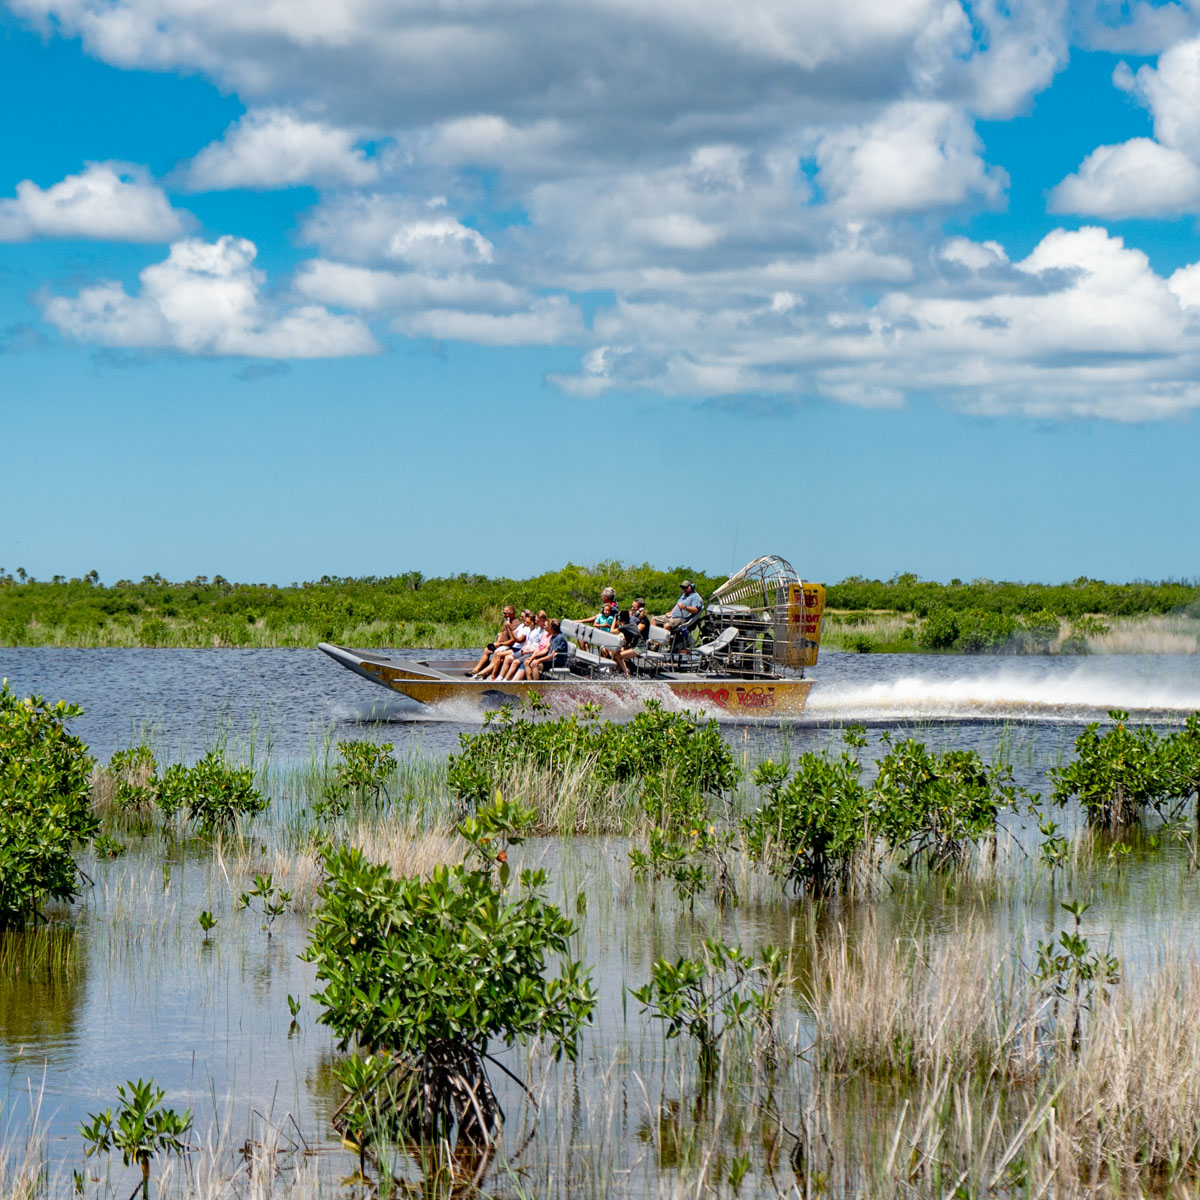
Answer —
146 994
44 972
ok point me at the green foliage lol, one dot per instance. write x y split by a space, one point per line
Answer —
1119 774
362 775
727 991
938 805
400 609
141 1130
818 825
689 861
272 900
212 793
678 761
432 970
45 809
813 828
1078 599
207 922
1070 970
966 631
135 777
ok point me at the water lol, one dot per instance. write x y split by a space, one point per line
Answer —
287 701
148 995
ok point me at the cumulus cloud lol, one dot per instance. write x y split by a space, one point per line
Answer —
206 298
274 148
370 290
1083 326
1136 178
609 76
918 155
104 202
397 228
1145 177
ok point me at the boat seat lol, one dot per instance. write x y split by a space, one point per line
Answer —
588 635
715 649
650 661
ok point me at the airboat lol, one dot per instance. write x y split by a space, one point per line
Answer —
745 653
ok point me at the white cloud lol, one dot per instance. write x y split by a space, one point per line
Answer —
549 321
1172 93
1144 177
1082 327
274 148
205 298
395 228
371 290
1135 178
917 155
104 202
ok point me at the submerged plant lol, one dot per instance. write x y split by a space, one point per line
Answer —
812 831
272 900
431 971
1071 971
675 762
938 806
727 991
142 1129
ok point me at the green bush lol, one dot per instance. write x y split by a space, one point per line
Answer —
1119 774
211 792
939 631
45 810
677 760
362 775
813 828
430 971
937 805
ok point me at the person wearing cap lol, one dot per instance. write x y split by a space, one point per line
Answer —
688 604
686 607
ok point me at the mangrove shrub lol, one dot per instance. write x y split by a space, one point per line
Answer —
45 805
423 974
1119 774
676 760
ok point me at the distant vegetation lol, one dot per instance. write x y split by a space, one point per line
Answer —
902 613
399 610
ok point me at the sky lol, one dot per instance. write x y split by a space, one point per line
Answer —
357 287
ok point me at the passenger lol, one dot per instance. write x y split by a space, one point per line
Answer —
634 640
688 604
504 639
607 597
686 607
536 638
504 653
606 619
553 652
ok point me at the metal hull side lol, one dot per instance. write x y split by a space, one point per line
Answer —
741 697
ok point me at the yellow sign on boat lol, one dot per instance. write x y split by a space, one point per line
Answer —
806 612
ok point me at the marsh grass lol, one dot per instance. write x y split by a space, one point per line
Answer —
1177 634
868 632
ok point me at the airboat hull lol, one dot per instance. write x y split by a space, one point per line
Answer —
430 683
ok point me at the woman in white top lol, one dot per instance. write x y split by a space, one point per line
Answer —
534 641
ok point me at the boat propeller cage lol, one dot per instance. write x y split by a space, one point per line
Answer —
776 614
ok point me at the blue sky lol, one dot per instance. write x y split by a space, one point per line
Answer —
364 287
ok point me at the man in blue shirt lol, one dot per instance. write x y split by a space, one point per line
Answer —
686 607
